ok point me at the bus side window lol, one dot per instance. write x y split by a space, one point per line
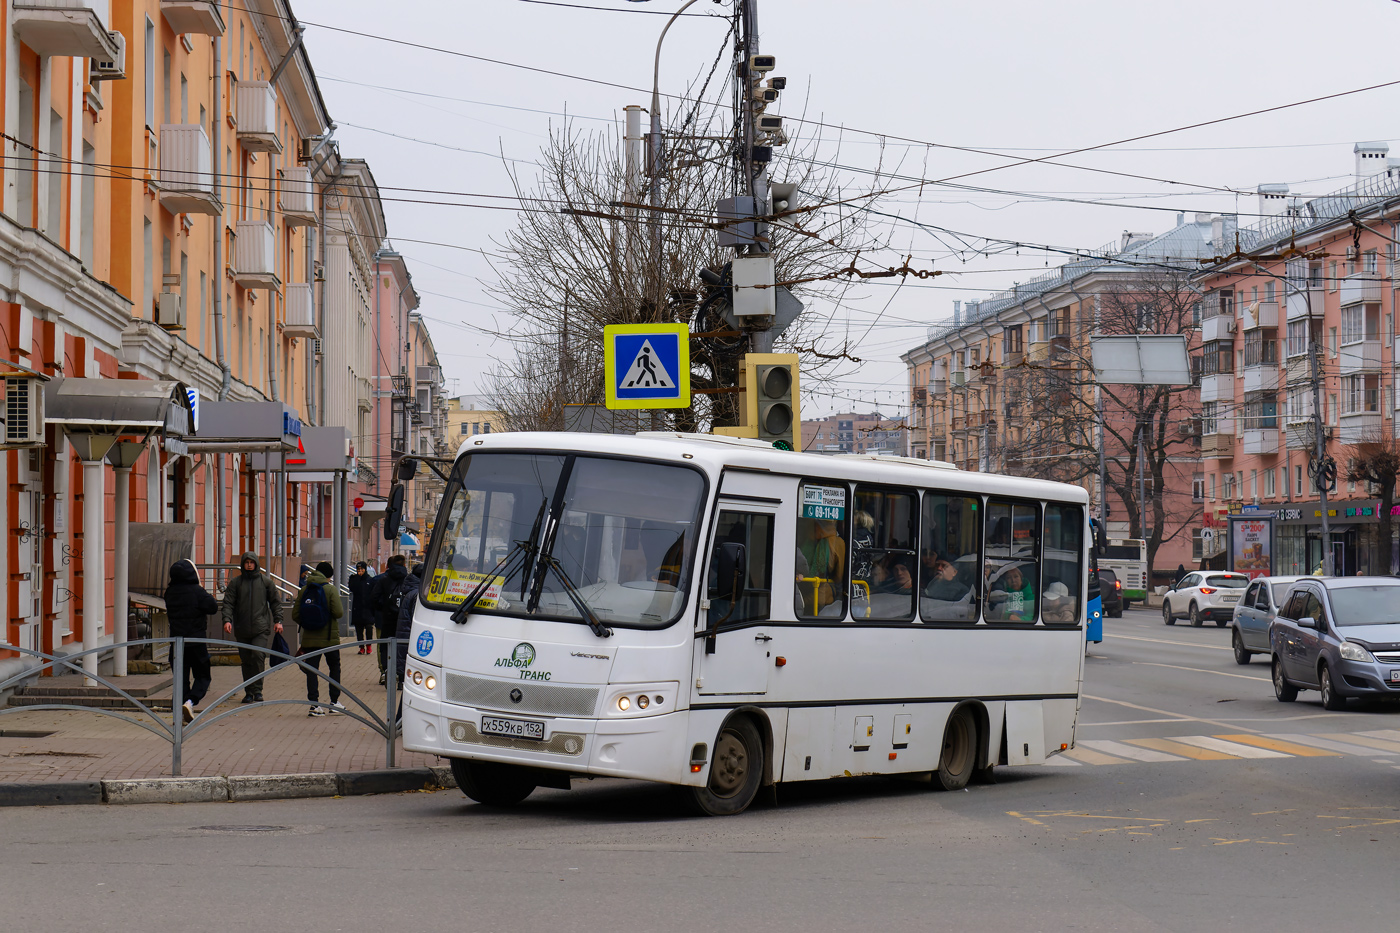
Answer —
1063 563
1012 566
753 531
823 545
950 576
883 555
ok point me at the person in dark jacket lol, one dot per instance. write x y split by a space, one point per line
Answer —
189 606
323 637
411 585
252 613
385 595
360 614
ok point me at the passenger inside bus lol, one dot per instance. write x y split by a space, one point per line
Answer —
949 576
823 548
1012 595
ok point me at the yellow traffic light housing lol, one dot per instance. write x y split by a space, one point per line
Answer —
771 398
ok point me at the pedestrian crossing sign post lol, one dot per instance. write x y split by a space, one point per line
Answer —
647 365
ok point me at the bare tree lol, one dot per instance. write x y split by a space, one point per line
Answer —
1057 420
1375 460
581 257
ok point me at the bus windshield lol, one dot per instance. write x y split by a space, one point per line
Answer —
617 541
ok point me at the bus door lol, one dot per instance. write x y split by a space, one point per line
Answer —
733 646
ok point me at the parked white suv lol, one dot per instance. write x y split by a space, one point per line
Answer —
1204 595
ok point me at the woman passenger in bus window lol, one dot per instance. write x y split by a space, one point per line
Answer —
825 553
1012 598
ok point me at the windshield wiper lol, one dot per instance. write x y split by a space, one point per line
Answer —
523 550
575 597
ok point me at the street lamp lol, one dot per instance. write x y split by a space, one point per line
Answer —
654 190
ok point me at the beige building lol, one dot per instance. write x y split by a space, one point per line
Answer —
469 415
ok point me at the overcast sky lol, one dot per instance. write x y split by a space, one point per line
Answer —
1028 79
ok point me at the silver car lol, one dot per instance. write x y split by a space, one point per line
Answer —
1255 610
1339 636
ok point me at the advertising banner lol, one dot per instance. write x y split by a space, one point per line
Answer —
1251 544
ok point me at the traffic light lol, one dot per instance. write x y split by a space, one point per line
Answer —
771 400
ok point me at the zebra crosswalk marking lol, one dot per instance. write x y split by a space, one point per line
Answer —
1278 745
1316 741
1363 739
1128 751
1392 734
1185 751
1229 748
1088 756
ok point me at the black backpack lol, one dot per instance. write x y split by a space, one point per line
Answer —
313 612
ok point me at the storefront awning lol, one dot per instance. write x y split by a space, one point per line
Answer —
244 427
119 406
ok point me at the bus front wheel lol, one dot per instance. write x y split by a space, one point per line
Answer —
492 784
959 754
736 770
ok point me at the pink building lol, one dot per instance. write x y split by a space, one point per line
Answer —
1306 318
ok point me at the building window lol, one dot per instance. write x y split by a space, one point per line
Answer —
1362 394
1269 491
1198 487
150 51
1332 276
1212 485
1254 484
1298 479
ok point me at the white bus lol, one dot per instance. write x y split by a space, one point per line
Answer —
713 613
1127 558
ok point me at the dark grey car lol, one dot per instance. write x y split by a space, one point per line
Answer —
1339 636
1255 610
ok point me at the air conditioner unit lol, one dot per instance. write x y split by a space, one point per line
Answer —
170 312
110 70
24 411
1231 327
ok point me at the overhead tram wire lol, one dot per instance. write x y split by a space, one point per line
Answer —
847 129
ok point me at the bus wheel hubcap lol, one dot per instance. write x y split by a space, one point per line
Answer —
731 765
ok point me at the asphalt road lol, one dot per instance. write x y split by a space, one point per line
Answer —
1217 835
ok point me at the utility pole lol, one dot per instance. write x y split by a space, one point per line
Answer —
1319 439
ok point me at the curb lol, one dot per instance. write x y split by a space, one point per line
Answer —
225 789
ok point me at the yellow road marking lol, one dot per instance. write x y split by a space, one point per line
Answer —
1090 757
1186 751
1278 745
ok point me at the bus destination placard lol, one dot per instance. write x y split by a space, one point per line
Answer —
824 502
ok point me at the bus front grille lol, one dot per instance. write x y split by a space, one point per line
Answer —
548 699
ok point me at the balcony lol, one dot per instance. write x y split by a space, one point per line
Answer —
1013 358
193 17
1361 357
1359 426
1218 446
1260 314
1218 304
301 312
255 255
1261 378
1037 351
63 28
1302 434
1218 388
1361 287
1299 369
186 178
938 387
257 117
297 197
959 379
1261 442
1216 328
1304 303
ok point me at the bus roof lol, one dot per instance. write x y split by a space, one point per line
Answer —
717 452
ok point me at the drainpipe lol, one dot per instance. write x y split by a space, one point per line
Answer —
217 282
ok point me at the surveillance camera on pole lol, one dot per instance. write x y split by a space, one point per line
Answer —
761 64
765 95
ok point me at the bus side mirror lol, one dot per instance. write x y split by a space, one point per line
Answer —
730 571
393 513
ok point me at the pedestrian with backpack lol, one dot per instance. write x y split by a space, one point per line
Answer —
386 598
317 611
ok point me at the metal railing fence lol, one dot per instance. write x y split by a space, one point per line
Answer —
177 731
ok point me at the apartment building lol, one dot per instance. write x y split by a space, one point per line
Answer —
174 219
853 433
1007 386
1305 316
470 415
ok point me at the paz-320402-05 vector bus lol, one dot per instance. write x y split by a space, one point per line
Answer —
713 613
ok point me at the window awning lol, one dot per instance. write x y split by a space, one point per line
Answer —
244 427
119 406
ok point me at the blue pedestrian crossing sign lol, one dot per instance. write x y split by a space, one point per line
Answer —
647 365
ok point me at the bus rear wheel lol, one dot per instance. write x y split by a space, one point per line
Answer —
959 754
490 783
736 771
